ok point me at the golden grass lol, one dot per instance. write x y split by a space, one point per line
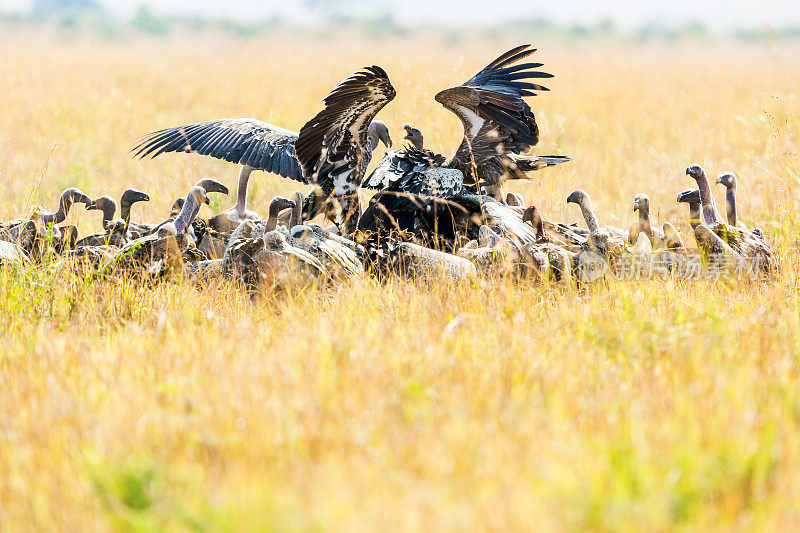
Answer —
497 405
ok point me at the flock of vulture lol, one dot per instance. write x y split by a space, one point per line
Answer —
430 217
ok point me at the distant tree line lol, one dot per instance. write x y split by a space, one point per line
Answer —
89 15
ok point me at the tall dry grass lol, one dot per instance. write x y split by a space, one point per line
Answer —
493 405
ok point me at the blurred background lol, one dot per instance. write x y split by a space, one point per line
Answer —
573 19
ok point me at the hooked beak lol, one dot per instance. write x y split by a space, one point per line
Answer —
408 132
91 207
718 180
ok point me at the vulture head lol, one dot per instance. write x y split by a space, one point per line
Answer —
378 131
74 195
689 196
515 199
641 203
198 194
696 172
132 196
728 179
212 185
106 205
578 197
278 204
414 136
581 198
177 205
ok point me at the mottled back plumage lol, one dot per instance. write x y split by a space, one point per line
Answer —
331 147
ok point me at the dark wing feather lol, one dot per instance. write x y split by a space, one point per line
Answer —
333 142
497 121
414 171
245 141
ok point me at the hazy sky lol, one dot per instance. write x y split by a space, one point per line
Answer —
715 14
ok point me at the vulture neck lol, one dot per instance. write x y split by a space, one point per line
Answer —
109 209
730 204
187 215
297 211
694 214
710 213
588 215
241 190
644 221
64 203
272 220
125 211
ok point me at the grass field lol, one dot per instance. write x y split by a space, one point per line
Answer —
399 405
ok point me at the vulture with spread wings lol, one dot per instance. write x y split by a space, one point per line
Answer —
334 148
418 186
499 127
331 150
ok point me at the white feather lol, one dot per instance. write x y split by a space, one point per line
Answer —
476 122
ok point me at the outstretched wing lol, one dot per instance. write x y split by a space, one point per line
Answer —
245 141
497 121
331 146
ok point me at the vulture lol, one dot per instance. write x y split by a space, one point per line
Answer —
498 127
711 215
165 247
340 256
197 228
747 246
133 230
214 238
117 231
602 239
424 192
728 179
390 254
266 259
641 203
61 238
130 197
114 233
23 234
691 197
331 151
